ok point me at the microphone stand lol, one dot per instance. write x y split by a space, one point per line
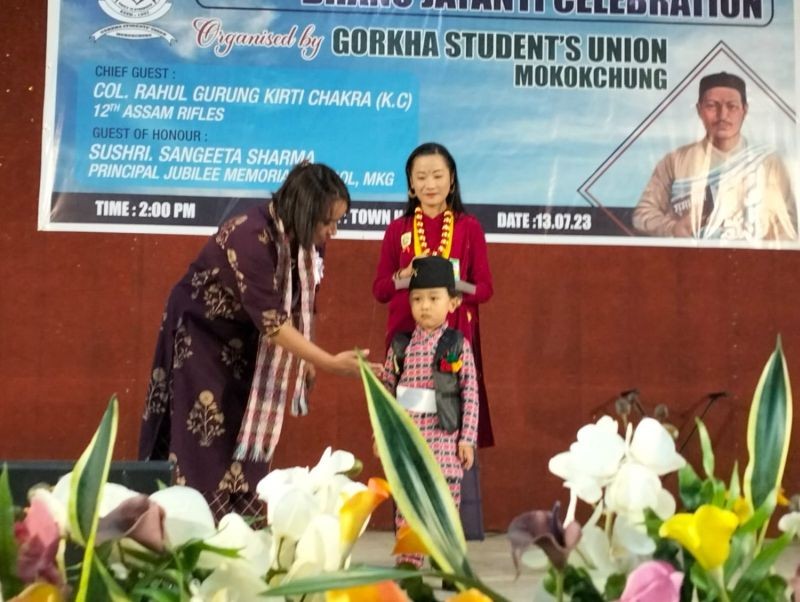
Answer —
711 398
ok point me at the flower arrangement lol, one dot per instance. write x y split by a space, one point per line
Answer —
635 547
166 547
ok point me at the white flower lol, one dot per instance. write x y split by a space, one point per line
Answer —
292 513
331 495
602 556
278 482
592 460
332 463
120 571
186 515
654 447
790 523
231 582
57 500
234 533
634 489
630 539
320 545
112 495
594 554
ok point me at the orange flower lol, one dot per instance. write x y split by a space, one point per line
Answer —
385 591
470 595
357 509
39 592
408 542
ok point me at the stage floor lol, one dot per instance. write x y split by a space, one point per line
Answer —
491 560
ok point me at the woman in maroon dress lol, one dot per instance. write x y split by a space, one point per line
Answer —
436 223
235 339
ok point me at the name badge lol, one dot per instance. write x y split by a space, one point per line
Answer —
319 269
405 240
456 268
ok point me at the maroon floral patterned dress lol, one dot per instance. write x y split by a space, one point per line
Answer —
204 363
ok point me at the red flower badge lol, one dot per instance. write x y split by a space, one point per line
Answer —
451 363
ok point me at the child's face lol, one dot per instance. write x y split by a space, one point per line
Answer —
430 306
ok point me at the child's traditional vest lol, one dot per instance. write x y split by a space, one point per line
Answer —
446 362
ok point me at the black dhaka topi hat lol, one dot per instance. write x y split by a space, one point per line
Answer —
723 80
433 271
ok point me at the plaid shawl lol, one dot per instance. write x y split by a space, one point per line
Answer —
263 419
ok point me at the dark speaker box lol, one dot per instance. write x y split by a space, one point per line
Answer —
144 477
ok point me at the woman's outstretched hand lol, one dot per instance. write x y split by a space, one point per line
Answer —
345 363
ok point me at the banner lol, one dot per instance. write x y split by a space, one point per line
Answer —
643 122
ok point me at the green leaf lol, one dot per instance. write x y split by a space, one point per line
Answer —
417 483
190 552
111 590
579 586
771 589
152 594
741 547
143 556
688 587
10 585
769 430
707 449
690 488
352 577
86 487
761 515
735 487
615 585
700 579
759 569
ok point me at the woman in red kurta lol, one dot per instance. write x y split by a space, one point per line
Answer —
435 222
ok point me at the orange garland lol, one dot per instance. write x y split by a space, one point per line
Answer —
421 244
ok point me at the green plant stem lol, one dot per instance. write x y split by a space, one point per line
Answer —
471 582
718 578
559 585
762 535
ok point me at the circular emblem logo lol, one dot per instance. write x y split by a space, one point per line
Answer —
135 11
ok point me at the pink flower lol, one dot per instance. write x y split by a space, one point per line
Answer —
653 581
38 537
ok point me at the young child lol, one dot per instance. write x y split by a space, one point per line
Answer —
432 373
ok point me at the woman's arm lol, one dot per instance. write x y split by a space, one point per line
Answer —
384 287
344 363
253 257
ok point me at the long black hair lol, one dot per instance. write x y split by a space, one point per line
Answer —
306 198
453 197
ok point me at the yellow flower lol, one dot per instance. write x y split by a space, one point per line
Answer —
358 508
470 595
39 592
706 534
742 509
385 591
